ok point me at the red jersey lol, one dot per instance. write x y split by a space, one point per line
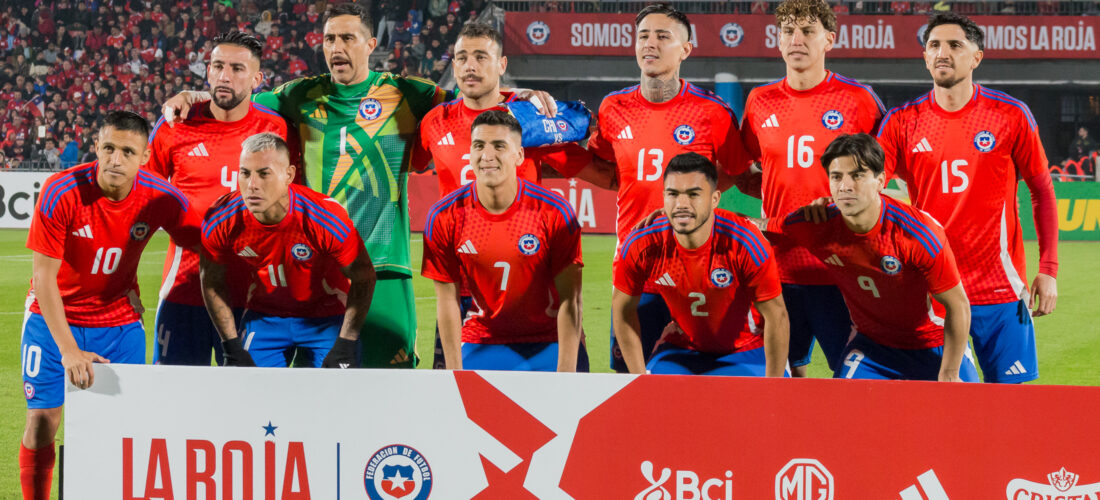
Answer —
188 154
99 241
294 265
787 130
944 157
709 290
508 260
640 137
886 274
445 139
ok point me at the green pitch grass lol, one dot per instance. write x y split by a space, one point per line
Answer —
1069 340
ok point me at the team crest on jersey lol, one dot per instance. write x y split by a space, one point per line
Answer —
529 244
538 33
139 231
721 277
732 34
683 135
985 141
397 471
28 390
890 265
301 252
832 119
370 109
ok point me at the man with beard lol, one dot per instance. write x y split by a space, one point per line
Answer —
710 266
962 149
200 157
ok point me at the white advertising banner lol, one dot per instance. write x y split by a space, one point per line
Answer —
18 194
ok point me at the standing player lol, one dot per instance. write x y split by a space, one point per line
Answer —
300 249
961 149
887 258
786 126
355 126
518 248
199 156
642 127
710 271
89 228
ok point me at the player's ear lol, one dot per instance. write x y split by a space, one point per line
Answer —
372 42
830 39
686 48
715 198
290 173
145 155
503 64
978 56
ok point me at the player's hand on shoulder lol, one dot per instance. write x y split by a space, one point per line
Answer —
235 354
648 221
818 210
78 367
342 354
542 100
1044 295
176 108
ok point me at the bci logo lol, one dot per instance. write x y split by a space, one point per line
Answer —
687 485
17 204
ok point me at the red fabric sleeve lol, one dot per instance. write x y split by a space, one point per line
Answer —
940 272
345 251
1045 212
48 233
731 152
749 140
565 242
159 145
629 273
763 279
440 262
421 155
567 159
185 227
600 145
888 138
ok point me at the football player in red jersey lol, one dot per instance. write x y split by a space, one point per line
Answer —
887 258
961 150
711 266
642 127
300 250
199 156
90 226
787 125
517 246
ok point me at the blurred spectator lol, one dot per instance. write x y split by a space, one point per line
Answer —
70 150
1082 145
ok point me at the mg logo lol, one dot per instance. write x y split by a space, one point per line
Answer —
804 479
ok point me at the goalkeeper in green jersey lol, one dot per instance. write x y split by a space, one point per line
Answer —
357 127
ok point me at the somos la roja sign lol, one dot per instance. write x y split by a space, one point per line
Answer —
1007 37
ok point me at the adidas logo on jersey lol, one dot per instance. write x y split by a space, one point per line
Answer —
928 481
84 232
1017 368
923 146
199 150
626 133
247 252
835 260
468 248
665 280
447 140
772 121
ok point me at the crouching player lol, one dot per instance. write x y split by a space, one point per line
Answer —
886 257
710 266
517 246
89 229
301 250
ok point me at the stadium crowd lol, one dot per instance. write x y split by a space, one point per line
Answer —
65 64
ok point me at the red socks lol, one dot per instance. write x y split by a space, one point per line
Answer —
36 471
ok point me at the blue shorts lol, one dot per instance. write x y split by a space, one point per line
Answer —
528 356
1004 341
816 311
674 360
271 340
653 317
865 359
438 361
186 336
43 373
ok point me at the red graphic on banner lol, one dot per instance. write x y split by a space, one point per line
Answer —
508 423
1007 37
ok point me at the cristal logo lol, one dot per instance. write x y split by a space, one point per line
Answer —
804 479
1062 486
686 487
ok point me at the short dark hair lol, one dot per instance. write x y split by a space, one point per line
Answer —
667 10
792 11
498 118
686 163
973 32
863 149
482 30
350 9
127 121
253 44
